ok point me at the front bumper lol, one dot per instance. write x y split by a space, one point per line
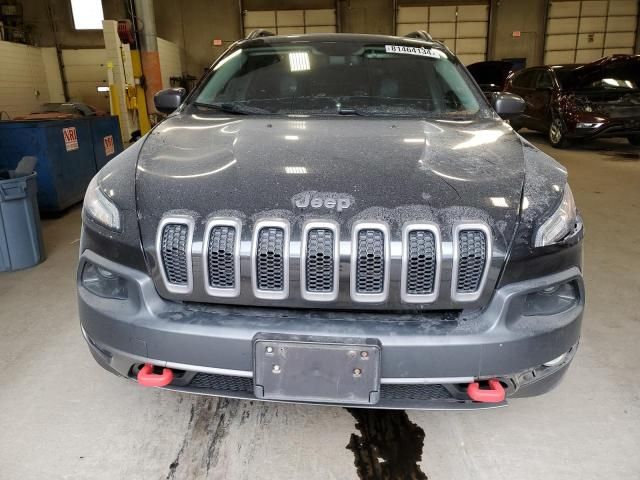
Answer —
610 129
427 358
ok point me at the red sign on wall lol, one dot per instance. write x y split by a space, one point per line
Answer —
109 149
70 138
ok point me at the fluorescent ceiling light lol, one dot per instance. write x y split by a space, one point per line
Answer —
102 89
299 61
296 170
87 14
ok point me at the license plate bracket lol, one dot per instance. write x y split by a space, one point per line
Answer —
317 369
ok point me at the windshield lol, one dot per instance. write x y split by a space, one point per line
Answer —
622 77
339 78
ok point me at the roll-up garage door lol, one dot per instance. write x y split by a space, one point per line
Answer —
291 22
584 31
463 28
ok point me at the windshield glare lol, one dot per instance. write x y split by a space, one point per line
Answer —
338 78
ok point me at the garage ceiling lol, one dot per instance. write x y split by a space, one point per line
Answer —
463 28
584 31
291 22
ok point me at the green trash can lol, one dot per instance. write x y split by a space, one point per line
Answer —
21 244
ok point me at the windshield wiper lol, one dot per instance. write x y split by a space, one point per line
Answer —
350 111
235 108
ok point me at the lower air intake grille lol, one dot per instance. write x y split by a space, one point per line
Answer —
472 251
226 383
421 262
320 260
174 253
370 261
270 259
221 257
414 392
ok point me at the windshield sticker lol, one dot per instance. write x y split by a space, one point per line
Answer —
420 51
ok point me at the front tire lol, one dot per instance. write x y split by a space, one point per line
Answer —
634 140
557 133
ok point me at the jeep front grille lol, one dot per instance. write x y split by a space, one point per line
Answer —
371 273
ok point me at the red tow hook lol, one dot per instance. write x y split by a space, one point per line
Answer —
493 394
147 378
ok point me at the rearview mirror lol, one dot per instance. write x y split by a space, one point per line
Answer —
167 100
507 105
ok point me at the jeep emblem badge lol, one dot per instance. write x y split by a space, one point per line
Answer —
323 199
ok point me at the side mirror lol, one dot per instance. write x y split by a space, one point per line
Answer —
507 105
167 100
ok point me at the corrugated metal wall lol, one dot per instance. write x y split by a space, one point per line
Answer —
291 22
584 31
463 28
85 70
23 78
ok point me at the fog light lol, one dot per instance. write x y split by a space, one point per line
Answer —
103 282
551 300
589 125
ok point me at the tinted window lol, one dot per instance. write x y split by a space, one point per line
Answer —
544 79
524 79
332 78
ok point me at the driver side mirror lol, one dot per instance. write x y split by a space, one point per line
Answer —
167 100
507 105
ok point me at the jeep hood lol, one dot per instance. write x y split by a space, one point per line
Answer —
389 169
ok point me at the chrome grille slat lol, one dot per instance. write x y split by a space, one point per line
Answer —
370 262
221 260
421 260
270 259
472 251
174 253
319 261
173 247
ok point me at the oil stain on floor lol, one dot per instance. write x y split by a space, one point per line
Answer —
389 445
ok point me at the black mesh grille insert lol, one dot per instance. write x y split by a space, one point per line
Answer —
414 392
421 262
370 262
270 259
221 257
227 383
472 251
320 258
174 253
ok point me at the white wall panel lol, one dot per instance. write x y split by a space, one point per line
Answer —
463 28
170 63
603 27
85 70
23 80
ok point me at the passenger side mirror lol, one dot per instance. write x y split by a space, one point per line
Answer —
167 100
507 105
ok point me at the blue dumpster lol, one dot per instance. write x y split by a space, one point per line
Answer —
107 141
69 153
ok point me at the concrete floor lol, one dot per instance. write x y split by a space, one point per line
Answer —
61 416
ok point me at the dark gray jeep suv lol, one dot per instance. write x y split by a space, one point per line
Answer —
338 219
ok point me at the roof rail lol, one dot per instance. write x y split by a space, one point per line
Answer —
259 33
421 34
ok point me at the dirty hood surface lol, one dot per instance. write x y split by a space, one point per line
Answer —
255 166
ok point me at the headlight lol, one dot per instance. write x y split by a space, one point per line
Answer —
100 208
560 224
